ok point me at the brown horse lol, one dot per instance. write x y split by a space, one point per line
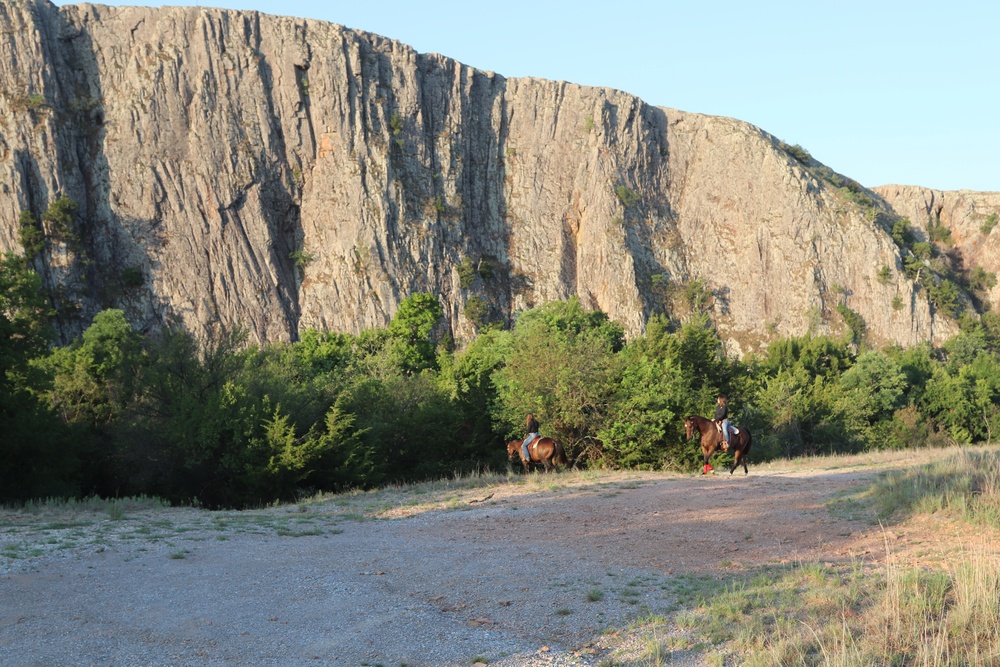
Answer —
546 451
711 440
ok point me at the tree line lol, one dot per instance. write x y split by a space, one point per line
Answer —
225 424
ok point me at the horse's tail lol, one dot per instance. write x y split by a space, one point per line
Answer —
560 454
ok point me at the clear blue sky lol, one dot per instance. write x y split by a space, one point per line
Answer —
891 91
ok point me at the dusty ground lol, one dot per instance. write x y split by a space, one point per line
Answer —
548 572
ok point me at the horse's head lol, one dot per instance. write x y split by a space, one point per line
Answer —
512 448
689 427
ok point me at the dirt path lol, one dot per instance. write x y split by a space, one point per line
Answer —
513 574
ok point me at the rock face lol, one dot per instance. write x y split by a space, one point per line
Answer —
238 169
971 217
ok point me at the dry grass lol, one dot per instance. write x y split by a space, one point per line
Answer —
899 613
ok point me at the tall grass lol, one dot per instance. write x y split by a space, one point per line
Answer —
114 507
965 485
893 614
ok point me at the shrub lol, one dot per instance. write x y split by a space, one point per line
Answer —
31 236
466 273
627 197
902 233
885 275
944 295
301 258
477 310
855 323
981 280
797 152
989 224
132 277
485 269
923 250
937 232
59 215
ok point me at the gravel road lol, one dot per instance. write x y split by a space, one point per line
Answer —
550 572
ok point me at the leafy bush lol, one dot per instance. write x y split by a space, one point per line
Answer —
466 273
937 232
855 323
989 223
797 152
981 280
30 234
60 215
132 277
477 310
627 197
902 233
301 258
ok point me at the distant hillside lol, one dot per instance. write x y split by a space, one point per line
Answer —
232 168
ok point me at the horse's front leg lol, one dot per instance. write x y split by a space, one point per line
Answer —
707 468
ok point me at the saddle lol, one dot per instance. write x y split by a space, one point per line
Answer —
732 429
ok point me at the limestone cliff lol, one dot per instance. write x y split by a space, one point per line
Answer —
233 168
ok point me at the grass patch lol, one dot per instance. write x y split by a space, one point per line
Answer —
288 532
965 485
818 614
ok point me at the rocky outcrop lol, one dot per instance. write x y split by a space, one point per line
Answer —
237 169
970 217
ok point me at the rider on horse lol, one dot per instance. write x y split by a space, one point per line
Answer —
722 419
532 427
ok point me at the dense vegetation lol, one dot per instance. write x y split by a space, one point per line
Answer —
226 424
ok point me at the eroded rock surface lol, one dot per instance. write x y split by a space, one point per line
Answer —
233 168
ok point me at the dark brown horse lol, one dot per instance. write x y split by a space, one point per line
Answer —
546 451
711 440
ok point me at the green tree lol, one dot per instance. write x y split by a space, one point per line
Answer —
30 234
797 397
643 424
38 454
93 378
411 428
59 216
411 343
872 390
562 368
467 377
